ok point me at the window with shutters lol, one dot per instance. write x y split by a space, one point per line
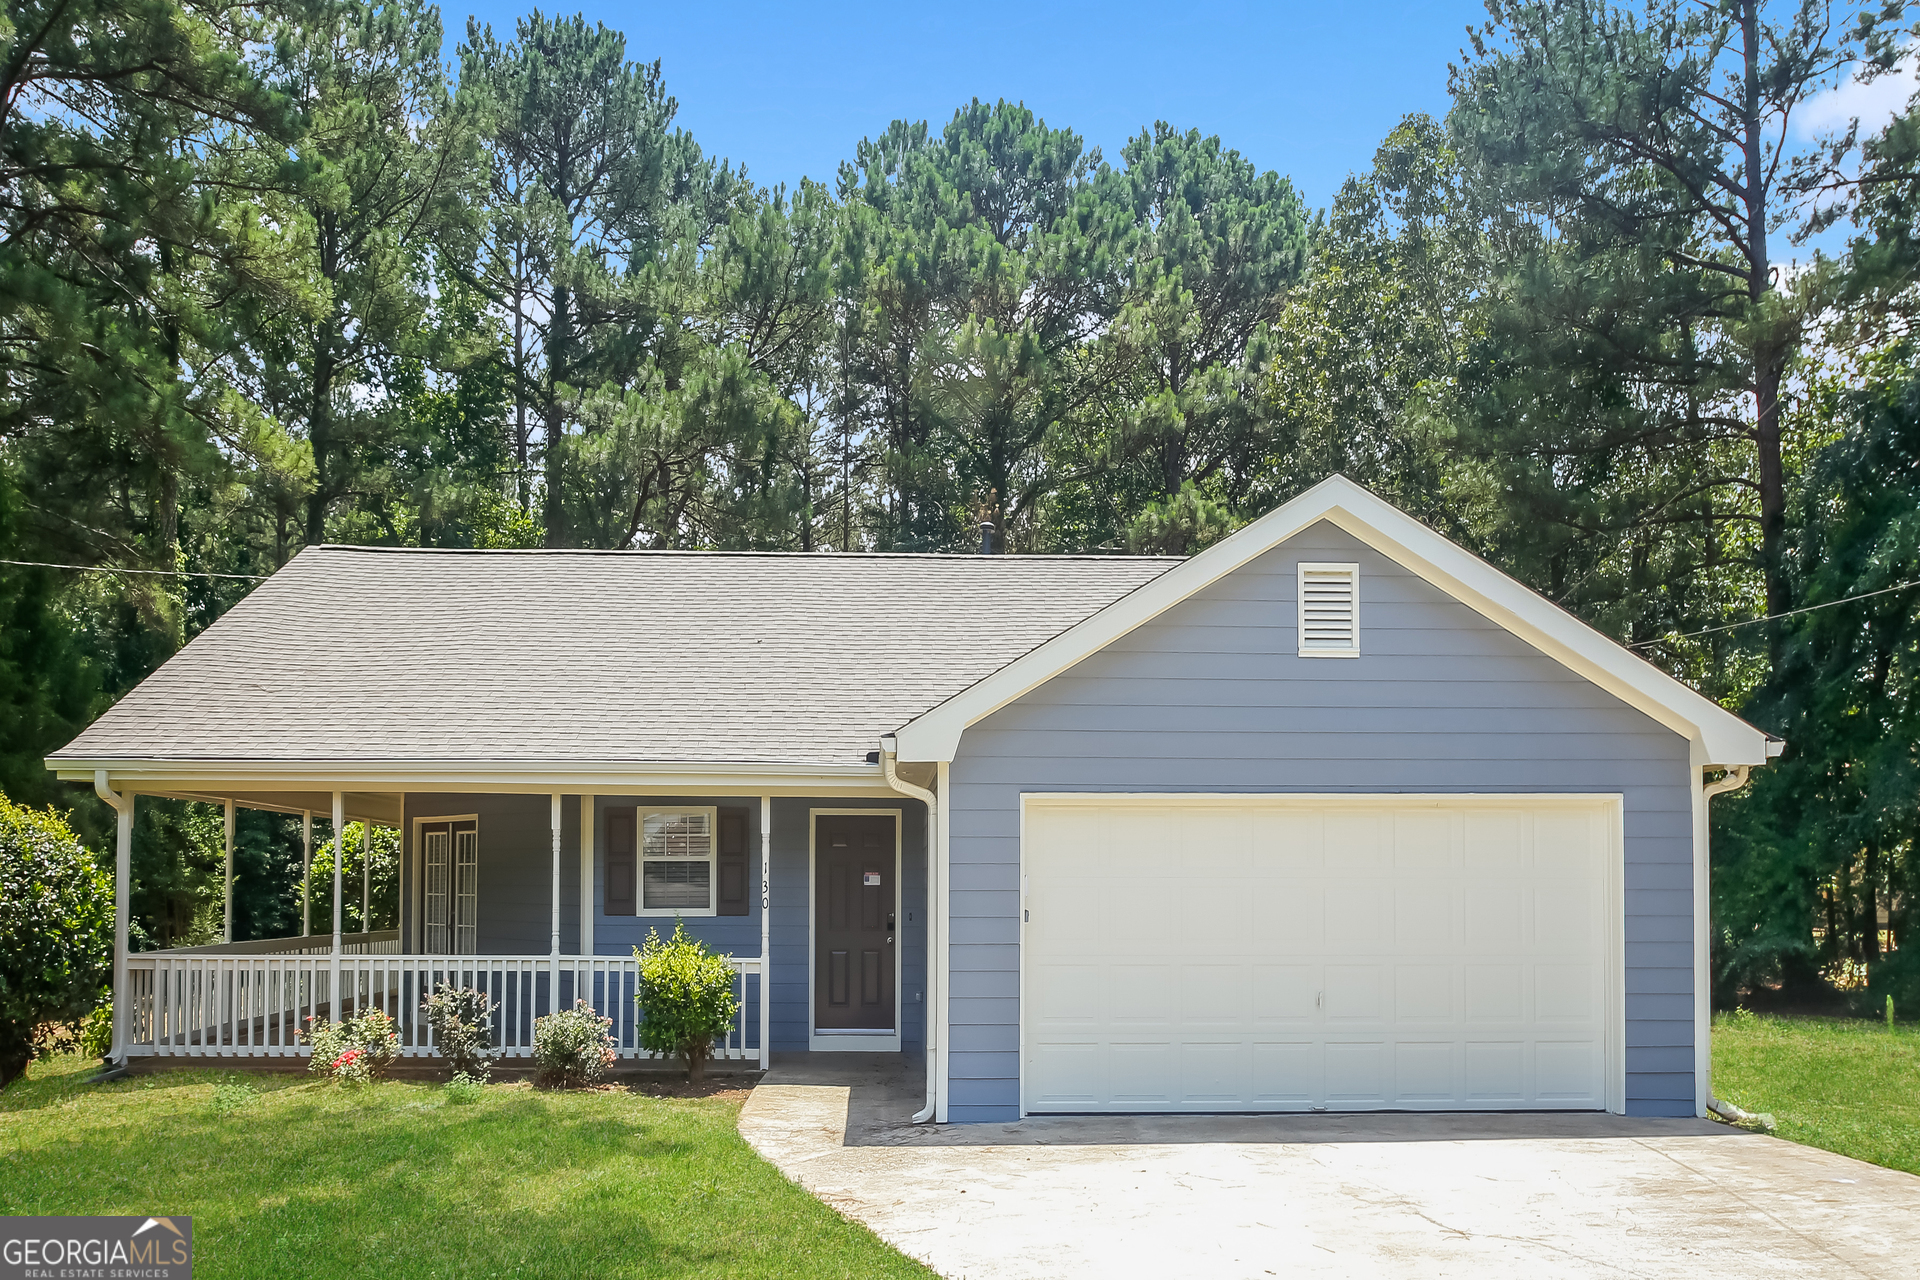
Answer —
676 862
1329 610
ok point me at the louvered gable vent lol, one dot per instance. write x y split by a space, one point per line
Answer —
1329 610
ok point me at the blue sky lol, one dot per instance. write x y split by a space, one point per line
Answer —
1305 89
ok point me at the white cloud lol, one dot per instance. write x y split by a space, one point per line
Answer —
1874 103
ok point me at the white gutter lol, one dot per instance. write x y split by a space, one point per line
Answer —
1736 778
888 760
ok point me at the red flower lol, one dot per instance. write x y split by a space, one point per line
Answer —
346 1059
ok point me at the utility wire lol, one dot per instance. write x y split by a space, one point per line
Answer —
1864 595
163 573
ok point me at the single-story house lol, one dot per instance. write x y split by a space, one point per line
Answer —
1330 816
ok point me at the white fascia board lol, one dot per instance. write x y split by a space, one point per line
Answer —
535 777
1727 740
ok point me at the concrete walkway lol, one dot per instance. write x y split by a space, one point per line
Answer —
1483 1196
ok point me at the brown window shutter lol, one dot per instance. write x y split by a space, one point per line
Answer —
620 862
731 856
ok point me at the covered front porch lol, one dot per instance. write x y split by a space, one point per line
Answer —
539 897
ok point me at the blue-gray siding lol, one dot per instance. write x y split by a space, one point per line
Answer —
1212 696
516 868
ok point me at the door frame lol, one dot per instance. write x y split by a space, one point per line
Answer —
418 873
853 1041
1613 944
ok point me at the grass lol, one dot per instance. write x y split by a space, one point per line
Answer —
1848 1085
283 1175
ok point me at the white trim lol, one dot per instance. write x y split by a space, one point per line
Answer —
586 875
1351 572
210 778
854 1040
942 960
1614 1054
640 907
1728 740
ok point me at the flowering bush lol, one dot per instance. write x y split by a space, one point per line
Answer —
462 1022
356 1051
572 1047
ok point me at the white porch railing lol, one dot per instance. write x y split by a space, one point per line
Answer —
216 1002
384 942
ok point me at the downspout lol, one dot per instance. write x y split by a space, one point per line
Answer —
888 761
1735 779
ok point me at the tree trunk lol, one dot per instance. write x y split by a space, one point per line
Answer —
558 341
1870 951
696 1064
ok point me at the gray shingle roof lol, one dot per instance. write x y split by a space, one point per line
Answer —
362 654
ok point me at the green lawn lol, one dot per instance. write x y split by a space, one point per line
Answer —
1847 1085
287 1176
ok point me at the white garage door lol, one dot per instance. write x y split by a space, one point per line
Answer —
1290 954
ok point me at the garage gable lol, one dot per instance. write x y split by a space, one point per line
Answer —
1725 739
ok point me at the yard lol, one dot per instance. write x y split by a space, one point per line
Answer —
1847 1085
283 1175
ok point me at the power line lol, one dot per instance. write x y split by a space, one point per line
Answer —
163 573
1864 595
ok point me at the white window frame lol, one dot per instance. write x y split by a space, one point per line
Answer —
642 813
1352 572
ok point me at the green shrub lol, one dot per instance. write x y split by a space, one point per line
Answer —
464 1090
355 1051
462 1023
686 997
56 934
572 1048
96 1030
232 1095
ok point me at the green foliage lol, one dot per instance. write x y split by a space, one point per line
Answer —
461 1019
96 1030
571 1048
1842 1085
465 1090
354 1051
686 997
56 933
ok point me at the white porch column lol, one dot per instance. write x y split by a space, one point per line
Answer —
334 994
306 872
366 873
766 932
122 889
555 823
227 930
586 875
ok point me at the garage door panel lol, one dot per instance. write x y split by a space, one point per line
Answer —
1287 1074
1426 917
1291 914
1359 1073
1495 1072
1286 995
1424 843
1354 916
1495 993
1423 993
1140 995
1142 1072
1498 917
1355 993
1214 993
1342 955
1066 995
1356 842
1214 1074
1424 1073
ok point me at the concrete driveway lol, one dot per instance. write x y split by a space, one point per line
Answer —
1479 1196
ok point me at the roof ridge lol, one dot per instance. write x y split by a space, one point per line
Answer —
740 555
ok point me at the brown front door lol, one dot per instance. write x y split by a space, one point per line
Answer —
853 906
